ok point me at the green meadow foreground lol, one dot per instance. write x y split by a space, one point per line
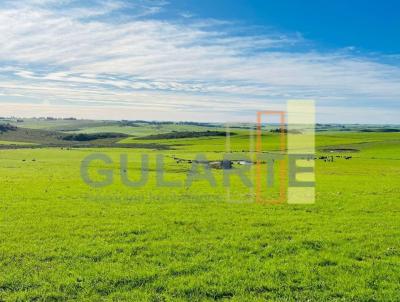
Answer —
63 240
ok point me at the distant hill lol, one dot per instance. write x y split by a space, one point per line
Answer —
185 134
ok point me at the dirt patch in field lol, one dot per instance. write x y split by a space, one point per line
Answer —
341 150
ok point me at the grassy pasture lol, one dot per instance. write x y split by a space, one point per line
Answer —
144 129
63 240
14 143
90 126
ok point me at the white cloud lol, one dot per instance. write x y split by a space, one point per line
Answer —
71 54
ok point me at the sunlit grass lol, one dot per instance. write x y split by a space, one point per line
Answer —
63 240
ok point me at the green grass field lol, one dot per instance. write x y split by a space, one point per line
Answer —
14 143
62 240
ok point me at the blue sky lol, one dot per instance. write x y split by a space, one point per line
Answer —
199 60
367 25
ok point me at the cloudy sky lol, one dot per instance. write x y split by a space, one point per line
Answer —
199 60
